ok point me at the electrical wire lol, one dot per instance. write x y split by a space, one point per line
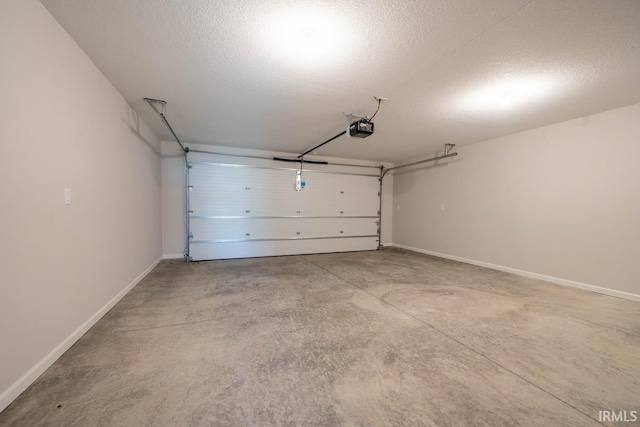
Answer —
379 102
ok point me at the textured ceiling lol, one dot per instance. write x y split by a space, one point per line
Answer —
278 75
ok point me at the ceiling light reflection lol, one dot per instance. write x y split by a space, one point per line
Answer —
305 35
508 93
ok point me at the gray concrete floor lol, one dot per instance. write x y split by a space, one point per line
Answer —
370 338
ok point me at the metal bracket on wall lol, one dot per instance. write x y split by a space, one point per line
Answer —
163 106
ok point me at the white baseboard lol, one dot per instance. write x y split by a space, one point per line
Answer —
556 280
10 394
173 256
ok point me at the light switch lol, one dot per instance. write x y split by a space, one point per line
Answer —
67 196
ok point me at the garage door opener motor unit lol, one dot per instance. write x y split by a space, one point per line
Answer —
361 129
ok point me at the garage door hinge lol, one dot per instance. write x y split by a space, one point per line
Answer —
191 235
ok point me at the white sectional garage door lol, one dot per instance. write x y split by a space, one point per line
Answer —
249 210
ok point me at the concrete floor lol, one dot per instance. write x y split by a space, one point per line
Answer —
369 338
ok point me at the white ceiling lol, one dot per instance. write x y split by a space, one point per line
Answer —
278 75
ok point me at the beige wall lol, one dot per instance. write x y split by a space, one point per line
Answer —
64 125
561 201
173 196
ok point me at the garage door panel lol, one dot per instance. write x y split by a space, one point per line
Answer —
222 191
248 205
353 195
273 228
276 248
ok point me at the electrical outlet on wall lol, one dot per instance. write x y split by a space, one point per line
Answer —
67 196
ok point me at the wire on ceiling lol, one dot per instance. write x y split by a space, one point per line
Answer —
377 109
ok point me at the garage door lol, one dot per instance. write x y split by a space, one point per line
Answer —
250 210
